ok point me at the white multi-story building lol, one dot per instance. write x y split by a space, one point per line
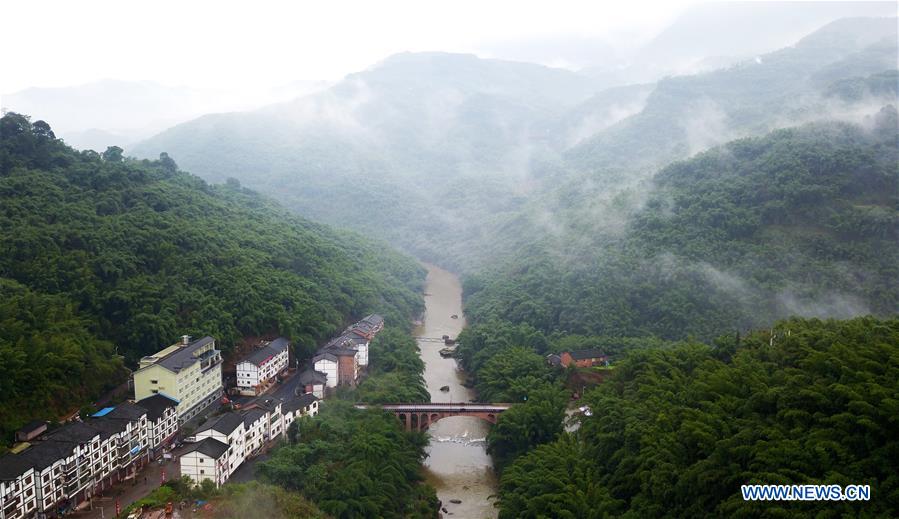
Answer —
360 344
264 364
67 466
227 441
162 419
206 459
256 424
303 405
188 372
18 496
229 429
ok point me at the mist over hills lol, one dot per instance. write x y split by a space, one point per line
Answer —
118 113
100 250
454 151
713 216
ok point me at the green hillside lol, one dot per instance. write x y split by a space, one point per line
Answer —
676 432
102 254
803 221
687 114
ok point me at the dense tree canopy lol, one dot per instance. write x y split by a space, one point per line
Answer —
677 431
801 222
354 464
45 345
97 251
395 370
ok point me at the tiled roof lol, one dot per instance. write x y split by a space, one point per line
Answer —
183 357
14 465
224 424
374 320
259 356
310 376
210 447
300 402
156 405
252 415
127 411
325 356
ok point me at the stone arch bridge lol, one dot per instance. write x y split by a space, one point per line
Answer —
418 417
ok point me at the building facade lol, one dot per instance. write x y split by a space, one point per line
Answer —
326 363
206 459
264 364
188 372
584 358
313 382
67 466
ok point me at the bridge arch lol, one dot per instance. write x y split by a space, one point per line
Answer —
419 417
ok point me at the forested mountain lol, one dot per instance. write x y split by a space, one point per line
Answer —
676 432
804 221
688 114
466 161
100 254
416 149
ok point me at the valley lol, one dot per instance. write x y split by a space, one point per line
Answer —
671 271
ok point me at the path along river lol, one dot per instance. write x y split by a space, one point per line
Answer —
457 465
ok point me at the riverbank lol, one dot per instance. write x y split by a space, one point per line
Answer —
458 465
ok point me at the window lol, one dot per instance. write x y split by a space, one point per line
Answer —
154 381
201 460
154 391
202 471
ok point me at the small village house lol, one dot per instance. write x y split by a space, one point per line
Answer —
313 382
206 459
326 363
259 369
584 358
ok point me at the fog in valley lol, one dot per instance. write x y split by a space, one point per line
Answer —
669 182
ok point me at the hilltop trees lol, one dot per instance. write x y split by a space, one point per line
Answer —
354 464
675 432
99 252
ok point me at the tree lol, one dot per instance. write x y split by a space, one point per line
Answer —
42 129
113 154
167 163
524 426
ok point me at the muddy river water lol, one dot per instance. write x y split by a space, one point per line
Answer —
457 465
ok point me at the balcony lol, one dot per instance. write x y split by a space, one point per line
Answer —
210 359
10 500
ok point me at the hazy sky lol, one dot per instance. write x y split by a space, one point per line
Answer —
238 44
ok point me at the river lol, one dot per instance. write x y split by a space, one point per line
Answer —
457 465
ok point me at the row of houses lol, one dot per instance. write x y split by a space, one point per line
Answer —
339 362
55 471
50 473
226 441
